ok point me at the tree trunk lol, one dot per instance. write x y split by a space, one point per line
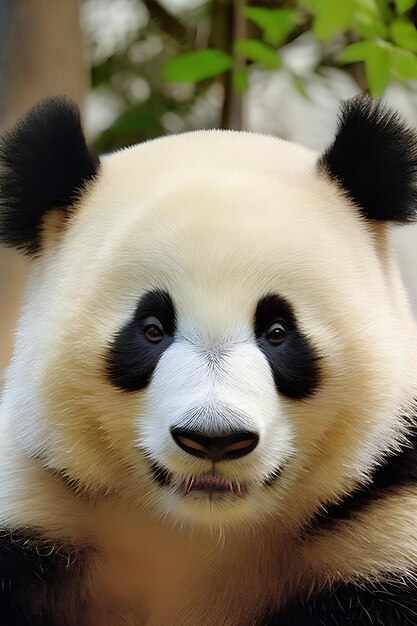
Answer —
41 54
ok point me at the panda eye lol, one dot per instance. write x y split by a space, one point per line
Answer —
276 333
153 329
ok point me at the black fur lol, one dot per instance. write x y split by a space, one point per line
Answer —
379 604
398 469
36 581
374 158
44 163
132 359
160 474
294 363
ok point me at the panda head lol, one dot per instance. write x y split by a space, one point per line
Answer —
214 328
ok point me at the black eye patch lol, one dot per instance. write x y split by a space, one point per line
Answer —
132 358
294 362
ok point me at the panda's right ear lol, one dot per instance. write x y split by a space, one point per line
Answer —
44 164
373 159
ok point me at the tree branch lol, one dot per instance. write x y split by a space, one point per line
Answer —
239 63
168 22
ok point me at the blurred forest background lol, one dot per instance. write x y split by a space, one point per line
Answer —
141 68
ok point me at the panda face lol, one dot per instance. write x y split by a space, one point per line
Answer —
212 328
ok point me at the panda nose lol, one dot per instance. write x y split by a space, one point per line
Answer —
226 447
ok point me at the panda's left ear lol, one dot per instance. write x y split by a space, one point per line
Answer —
374 159
44 164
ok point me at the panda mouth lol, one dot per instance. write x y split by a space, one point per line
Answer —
206 483
213 484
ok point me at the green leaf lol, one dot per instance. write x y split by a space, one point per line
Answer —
310 5
368 28
275 24
255 50
378 68
103 72
404 5
404 33
404 64
370 7
192 67
241 79
386 10
300 85
332 15
356 52
368 20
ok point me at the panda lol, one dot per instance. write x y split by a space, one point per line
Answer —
209 417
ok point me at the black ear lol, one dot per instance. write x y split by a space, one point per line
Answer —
374 159
44 164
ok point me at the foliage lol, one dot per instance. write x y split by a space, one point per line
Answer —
221 41
198 65
275 25
385 38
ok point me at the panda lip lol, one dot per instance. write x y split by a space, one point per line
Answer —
213 483
209 483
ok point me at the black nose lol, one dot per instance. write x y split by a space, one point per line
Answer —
231 446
